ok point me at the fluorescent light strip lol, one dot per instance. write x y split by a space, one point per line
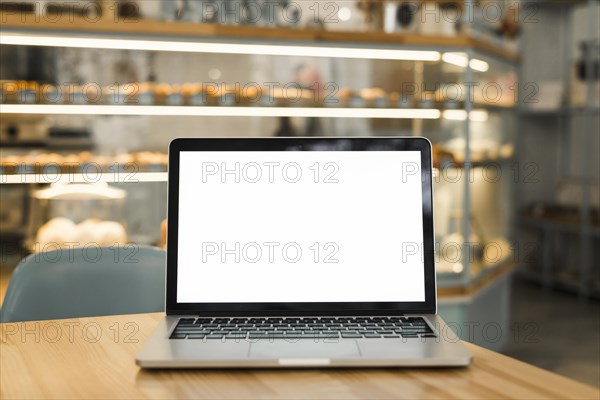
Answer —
479 65
218 111
221 48
478 115
455 115
458 59
461 60
109 177
461 115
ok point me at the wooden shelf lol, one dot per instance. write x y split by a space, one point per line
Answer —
107 177
220 111
187 31
485 278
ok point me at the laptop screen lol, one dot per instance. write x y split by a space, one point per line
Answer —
300 226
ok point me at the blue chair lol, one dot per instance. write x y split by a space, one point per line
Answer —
73 283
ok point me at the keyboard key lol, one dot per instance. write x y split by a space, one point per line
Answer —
213 336
184 329
351 336
236 336
329 335
372 336
178 336
258 336
414 331
196 336
293 335
278 336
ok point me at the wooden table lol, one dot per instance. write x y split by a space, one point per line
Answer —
94 358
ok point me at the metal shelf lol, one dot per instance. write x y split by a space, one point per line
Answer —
107 177
221 111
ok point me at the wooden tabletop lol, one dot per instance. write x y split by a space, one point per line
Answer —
94 358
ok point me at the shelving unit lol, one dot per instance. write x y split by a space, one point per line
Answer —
460 290
547 269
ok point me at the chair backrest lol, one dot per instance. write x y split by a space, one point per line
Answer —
88 282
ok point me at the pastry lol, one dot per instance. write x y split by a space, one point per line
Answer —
57 232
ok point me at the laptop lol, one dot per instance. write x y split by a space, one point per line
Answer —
301 252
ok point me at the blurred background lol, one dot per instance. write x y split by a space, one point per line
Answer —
508 92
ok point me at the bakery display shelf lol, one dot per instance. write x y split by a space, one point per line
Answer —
242 111
187 31
180 38
498 257
221 111
484 277
91 177
54 173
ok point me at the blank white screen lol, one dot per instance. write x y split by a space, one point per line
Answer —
333 233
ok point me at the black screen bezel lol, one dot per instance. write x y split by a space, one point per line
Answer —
301 144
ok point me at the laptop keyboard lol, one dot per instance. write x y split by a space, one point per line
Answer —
302 328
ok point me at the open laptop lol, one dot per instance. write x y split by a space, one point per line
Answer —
301 252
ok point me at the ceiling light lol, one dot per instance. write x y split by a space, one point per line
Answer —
479 65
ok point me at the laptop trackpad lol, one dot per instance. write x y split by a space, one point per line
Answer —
304 349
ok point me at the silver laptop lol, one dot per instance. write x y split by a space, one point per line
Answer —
301 252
